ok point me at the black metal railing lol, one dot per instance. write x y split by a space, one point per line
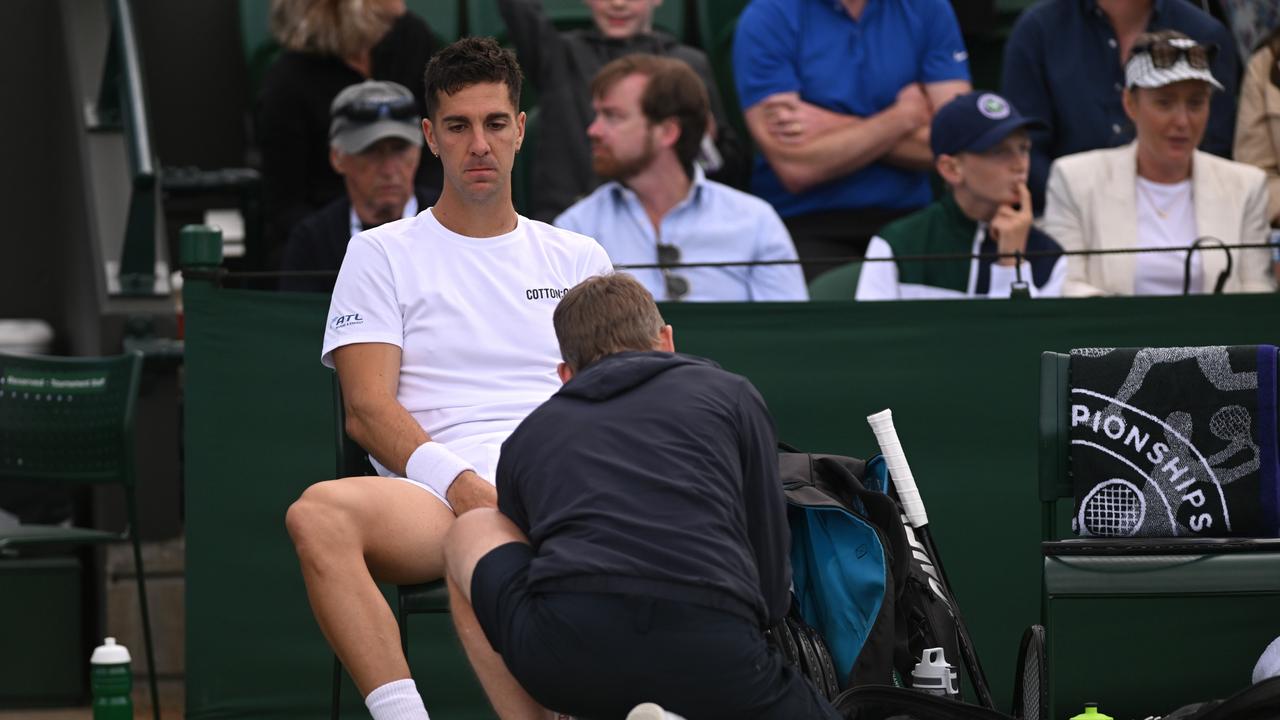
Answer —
250 278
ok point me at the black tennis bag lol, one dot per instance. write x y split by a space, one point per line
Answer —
1260 701
895 703
859 588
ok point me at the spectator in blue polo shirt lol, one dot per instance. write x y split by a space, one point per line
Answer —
1064 63
838 95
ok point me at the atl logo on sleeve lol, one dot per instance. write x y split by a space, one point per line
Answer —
341 321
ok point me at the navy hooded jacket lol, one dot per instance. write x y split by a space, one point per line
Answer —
653 474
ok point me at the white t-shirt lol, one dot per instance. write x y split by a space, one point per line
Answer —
472 317
1161 273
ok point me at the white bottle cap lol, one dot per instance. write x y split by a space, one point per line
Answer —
109 653
934 674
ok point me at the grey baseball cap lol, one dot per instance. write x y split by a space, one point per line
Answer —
370 111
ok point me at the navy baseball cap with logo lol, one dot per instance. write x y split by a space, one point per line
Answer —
975 122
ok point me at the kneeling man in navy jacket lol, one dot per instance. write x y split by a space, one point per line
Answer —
640 546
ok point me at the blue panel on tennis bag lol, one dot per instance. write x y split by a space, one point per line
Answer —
847 559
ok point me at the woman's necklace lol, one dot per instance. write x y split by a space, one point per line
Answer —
1162 212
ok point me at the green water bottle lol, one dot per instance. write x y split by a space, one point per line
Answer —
112 681
1090 713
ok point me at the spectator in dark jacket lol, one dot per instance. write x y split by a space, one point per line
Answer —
640 525
1064 64
562 64
328 45
375 144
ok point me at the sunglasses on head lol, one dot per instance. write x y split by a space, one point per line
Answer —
677 286
1164 54
370 111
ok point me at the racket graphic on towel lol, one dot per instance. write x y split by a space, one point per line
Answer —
904 484
1114 508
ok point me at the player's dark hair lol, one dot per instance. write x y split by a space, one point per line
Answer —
470 61
604 315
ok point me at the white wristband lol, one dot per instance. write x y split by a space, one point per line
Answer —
435 466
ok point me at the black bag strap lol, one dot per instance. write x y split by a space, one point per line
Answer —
881 702
1260 701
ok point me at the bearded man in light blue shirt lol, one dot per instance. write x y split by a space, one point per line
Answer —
659 208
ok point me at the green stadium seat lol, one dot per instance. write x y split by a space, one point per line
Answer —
444 16
259 48
522 173
717 20
839 283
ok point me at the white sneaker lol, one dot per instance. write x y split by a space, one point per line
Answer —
651 711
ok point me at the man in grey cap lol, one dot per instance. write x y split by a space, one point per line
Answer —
375 143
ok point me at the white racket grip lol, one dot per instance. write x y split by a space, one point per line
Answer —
899 471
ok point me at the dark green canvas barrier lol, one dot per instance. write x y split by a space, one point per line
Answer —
961 378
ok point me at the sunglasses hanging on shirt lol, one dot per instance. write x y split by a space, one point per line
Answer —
677 285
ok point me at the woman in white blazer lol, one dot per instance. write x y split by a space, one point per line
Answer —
1159 191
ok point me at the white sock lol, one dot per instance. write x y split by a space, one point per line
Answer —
397 700
1269 664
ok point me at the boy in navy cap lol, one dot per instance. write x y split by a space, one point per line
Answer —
982 150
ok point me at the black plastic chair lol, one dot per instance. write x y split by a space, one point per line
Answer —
424 598
70 421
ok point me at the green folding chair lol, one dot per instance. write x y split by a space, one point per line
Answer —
1144 629
69 421
423 598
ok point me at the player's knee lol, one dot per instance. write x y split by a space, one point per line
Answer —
318 517
461 530
470 532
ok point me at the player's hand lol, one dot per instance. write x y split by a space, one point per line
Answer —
470 491
912 106
1011 226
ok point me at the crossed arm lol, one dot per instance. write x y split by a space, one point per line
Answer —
370 376
807 144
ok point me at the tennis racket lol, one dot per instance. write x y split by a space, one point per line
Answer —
913 508
1031 683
